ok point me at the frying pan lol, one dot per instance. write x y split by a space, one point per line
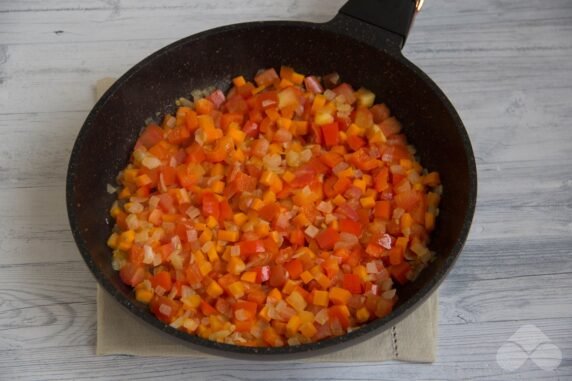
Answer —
363 44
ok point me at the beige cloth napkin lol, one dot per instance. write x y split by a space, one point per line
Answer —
119 332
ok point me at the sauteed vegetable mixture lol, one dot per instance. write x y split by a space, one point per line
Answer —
283 212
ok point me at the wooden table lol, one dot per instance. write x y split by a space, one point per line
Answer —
507 67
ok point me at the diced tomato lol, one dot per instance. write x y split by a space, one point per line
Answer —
151 135
164 308
407 200
399 272
251 247
327 238
217 97
211 205
330 133
294 268
352 283
266 77
163 279
236 104
350 226
132 274
262 215
278 276
347 91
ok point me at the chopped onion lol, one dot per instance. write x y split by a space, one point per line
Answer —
176 241
294 341
330 218
340 167
385 241
329 94
371 268
165 309
172 293
143 234
414 177
322 316
397 169
305 155
386 284
397 213
282 136
192 235
176 260
154 202
312 231
157 260
268 103
273 162
193 212
325 207
149 255
160 291
151 162
134 207
111 189
293 159
235 251
312 84
404 186
347 241
283 220
306 191
241 314
157 234
132 222
388 294
387 157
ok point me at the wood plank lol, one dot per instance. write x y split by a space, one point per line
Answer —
507 67
466 352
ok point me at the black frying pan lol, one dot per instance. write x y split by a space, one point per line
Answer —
363 44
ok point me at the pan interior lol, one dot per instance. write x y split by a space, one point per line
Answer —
212 59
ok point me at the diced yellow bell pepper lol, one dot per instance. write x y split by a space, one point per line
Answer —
239 81
212 222
297 301
113 240
240 219
293 324
367 202
308 330
143 295
321 298
249 276
125 240
306 277
236 265
214 290
227 235
236 289
362 315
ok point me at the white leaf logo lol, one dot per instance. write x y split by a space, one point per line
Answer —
529 342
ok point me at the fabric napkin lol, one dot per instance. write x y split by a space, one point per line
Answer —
121 333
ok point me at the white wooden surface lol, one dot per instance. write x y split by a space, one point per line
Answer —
506 65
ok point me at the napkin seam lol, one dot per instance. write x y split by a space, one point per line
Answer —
394 342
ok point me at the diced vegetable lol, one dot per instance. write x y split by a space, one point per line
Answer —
277 214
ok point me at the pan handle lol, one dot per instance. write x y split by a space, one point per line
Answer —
393 16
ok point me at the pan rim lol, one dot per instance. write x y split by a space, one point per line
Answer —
272 353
